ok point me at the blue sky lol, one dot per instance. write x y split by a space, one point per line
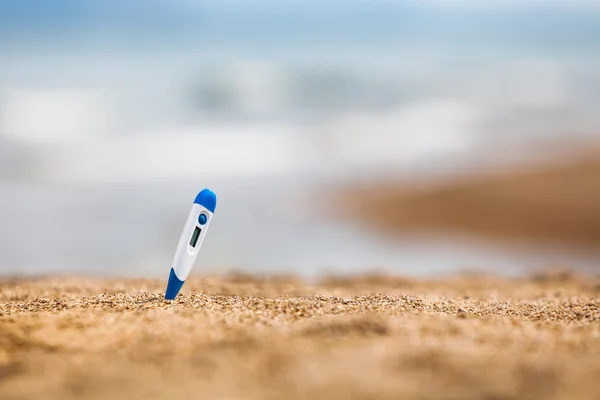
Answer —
529 20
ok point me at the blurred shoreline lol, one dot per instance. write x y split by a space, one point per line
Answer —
553 202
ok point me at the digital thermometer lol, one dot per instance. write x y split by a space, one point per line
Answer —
191 239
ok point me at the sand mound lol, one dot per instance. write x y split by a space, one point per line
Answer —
238 337
554 203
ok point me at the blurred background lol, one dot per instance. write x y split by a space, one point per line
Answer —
114 114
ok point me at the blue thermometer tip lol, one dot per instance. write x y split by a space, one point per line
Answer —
173 287
207 199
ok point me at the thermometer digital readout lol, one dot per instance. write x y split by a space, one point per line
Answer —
190 242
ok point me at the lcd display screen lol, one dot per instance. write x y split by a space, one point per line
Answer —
195 237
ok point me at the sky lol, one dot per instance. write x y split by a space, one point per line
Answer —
373 19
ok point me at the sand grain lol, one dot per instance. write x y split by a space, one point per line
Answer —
240 337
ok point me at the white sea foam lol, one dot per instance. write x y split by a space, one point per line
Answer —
38 115
201 153
409 136
415 133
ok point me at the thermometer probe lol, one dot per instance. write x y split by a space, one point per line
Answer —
191 239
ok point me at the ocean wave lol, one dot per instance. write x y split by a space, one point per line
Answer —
271 90
249 118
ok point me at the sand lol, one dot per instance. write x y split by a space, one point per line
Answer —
555 202
240 337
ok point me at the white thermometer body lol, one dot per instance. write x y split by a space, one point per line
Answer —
190 241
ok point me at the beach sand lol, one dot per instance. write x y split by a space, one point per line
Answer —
243 337
555 202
